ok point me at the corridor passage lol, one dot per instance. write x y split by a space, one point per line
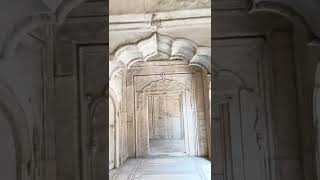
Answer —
163 168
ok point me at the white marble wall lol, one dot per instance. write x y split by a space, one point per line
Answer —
138 80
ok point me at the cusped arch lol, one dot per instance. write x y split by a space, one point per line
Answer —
15 114
163 84
160 47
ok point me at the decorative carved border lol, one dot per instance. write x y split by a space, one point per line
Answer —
158 20
163 79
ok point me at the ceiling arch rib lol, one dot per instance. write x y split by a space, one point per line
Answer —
305 11
158 47
33 21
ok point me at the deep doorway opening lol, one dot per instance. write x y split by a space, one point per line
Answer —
162 119
169 120
166 124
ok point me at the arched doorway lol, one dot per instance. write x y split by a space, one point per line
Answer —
162 84
150 65
162 115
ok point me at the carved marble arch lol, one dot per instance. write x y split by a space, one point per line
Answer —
162 85
160 47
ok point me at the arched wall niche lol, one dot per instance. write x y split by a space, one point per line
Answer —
15 115
147 94
236 120
304 30
98 136
99 115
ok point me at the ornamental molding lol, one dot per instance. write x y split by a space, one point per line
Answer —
154 21
161 48
36 20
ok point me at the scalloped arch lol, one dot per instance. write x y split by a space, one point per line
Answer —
159 46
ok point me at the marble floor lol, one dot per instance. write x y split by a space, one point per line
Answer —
163 168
